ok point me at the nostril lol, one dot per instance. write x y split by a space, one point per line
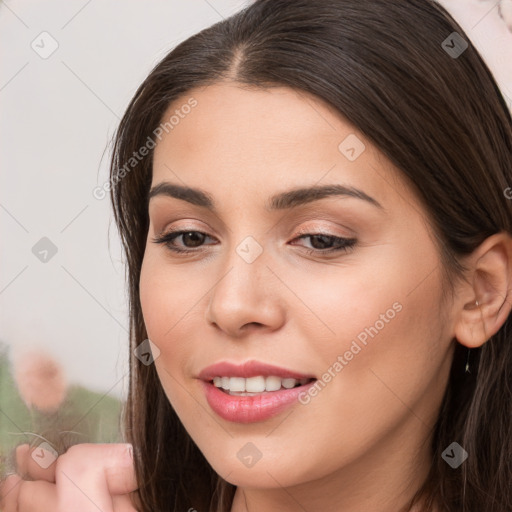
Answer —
252 324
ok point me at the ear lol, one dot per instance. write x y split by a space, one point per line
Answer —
489 283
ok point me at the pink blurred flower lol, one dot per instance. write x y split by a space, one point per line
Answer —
40 380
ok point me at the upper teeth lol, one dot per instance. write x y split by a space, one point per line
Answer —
256 384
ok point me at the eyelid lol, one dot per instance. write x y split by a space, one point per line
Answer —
309 230
312 223
347 243
321 231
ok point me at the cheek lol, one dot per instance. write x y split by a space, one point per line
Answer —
378 341
391 349
168 295
342 307
167 300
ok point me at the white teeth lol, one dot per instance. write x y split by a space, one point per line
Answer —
289 383
254 385
236 384
257 384
272 383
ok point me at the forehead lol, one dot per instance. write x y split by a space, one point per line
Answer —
266 139
278 116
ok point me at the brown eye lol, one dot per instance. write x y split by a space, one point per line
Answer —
322 243
192 236
190 239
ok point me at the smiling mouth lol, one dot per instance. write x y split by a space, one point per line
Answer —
238 386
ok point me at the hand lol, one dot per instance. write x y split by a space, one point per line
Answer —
87 478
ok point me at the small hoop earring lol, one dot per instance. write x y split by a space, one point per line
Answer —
467 362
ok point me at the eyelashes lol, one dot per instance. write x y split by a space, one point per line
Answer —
343 245
168 240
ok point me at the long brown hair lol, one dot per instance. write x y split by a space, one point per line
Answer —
387 67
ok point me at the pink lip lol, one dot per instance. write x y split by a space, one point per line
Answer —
250 409
249 369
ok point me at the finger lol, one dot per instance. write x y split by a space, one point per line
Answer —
37 463
121 477
82 478
38 496
123 503
9 489
121 480
86 491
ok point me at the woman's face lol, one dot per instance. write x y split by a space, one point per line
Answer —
364 320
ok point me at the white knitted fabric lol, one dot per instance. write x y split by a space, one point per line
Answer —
488 24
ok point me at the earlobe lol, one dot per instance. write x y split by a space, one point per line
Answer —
487 301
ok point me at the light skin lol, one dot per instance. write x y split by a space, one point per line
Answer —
87 478
362 442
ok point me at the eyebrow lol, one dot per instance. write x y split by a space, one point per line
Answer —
284 200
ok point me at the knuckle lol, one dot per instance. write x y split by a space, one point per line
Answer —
79 458
74 457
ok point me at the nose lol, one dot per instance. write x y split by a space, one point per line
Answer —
246 297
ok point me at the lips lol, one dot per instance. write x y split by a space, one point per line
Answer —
249 369
259 406
251 409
